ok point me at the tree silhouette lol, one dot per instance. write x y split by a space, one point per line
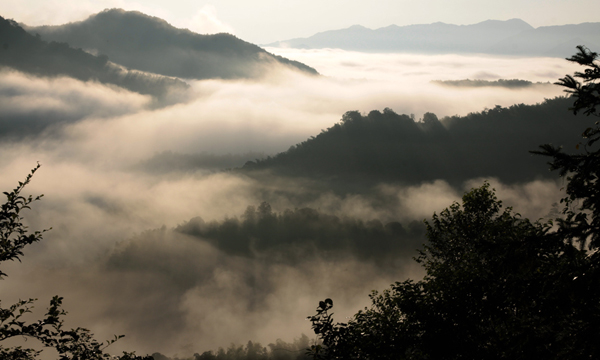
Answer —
497 286
71 344
582 203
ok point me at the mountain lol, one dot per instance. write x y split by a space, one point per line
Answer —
388 147
557 41
510 37
436 37
146 43
27 53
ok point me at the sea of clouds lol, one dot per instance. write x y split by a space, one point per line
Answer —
112 251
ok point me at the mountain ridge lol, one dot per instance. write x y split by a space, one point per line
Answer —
151 44
389 147
28 53
498 37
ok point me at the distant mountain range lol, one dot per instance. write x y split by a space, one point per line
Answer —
147 43
510 37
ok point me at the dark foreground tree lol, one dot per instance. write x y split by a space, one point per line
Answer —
71 344
582 170
497 286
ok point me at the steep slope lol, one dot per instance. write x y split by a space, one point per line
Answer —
385 146
27 53
147 43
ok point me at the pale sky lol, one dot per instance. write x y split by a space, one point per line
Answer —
264 21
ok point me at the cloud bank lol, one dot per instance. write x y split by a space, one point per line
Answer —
114 253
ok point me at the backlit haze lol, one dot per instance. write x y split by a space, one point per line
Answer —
112 251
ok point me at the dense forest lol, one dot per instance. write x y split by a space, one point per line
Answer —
498 286
279 350
295 234
385 146
503 83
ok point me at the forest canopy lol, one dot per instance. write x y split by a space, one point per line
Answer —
383 146
497 286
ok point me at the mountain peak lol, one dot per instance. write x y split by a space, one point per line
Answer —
121 17
147 43
357 26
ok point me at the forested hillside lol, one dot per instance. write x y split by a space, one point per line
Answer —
295 234
497 285
28 53
146 43
385 146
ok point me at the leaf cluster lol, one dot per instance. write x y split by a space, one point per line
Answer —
280 350
71 344
294 234
13 234
497 287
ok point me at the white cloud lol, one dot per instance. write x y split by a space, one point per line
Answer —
205 21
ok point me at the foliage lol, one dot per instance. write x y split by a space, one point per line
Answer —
71 344
582 203
389 147
295 234
505 83
138 41
280 350
497 286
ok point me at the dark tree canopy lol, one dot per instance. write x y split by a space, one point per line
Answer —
296 234
497 286
389 147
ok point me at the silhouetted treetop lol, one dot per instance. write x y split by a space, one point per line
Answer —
293 233
498 286
504 83
385 146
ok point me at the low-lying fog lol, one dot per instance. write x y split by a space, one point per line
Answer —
113 252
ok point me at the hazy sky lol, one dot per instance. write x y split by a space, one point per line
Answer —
264 21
